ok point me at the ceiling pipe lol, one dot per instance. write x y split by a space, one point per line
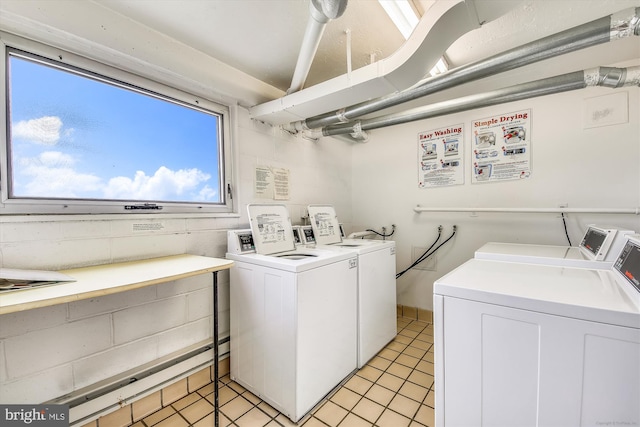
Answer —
320 13
602 76
616 26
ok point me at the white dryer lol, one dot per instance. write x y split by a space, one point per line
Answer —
293 326
598 248
376 308
528 344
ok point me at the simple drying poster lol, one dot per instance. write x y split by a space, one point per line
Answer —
501 147
440 155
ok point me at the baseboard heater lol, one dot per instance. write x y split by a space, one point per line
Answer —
89 403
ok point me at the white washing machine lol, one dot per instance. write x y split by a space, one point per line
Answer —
598 249
293 326
536 345
376 306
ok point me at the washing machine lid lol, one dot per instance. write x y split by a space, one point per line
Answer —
361 246
271 228
324 223
539 254
580 293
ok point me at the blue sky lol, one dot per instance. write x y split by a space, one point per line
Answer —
74 137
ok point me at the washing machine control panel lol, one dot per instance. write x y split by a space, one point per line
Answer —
240 242
628 262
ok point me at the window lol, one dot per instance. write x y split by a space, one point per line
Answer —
87 140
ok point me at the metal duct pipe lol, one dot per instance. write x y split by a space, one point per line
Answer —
321 12
602 76
616 26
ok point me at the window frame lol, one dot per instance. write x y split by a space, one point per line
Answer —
140 83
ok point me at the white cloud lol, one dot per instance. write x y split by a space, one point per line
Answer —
45 130
165 184
50 175
207 193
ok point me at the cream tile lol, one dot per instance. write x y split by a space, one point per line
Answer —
273 423
391 382
92 424
431 399
399 370
425 337
206 390
185 401
353 420
264 406
330 413
404 406
417 326
429 357
417 424
420 378
147 406
236 408
397 346
197 410
408 333
426 367
225 394
156 417
368 410
251 397
422 345
199 379
286 422
379 363
410 312
414 352
398 310
402 339
119 418
253 418
314 422
402 322
173 421
138 424
345 398
425 415
224 367
389 354
358 384
237 387
413 391
425 315
209 421
406 360
370 373
380 395
392 419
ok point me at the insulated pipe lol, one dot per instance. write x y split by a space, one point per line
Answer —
616 26
321 11
603 76
629 211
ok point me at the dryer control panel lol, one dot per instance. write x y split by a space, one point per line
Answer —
628 263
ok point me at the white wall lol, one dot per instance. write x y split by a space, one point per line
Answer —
592 168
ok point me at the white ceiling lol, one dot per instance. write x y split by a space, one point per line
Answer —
262 37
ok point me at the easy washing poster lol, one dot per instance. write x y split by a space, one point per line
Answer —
500 151
440 157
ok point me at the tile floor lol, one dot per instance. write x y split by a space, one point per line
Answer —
395 389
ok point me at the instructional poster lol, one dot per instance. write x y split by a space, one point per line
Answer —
440 157
501 147
271 183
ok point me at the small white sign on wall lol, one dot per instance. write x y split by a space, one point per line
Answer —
271 183
606 110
